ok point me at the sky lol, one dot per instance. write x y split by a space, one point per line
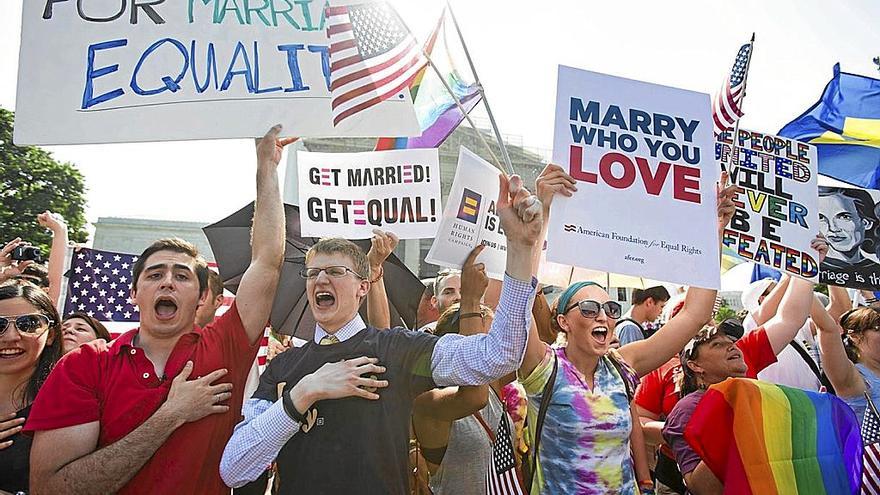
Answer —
516 46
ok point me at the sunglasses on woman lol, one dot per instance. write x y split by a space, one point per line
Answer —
33 325
590 308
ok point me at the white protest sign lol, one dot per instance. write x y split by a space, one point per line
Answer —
107 71
350 194
643 158
777 210
469 218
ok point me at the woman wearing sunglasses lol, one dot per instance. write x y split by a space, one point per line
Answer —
30 344
580 393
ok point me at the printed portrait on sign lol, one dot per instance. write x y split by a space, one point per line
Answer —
848 220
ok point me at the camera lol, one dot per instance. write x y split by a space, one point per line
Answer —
27 253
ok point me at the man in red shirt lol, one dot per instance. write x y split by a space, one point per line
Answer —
151 411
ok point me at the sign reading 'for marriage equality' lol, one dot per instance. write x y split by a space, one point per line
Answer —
777 213
103 71
350 194
642 156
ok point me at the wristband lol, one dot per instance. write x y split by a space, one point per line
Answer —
381 273
475 314
291 411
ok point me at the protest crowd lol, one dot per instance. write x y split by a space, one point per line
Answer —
507 379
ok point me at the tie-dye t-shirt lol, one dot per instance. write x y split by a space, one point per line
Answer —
585 439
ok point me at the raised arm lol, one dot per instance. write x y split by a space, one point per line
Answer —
57 252
842 373
378 312
10 268
256 293
647 355
65 460
839 301
794 307
770 304
479 359
551 182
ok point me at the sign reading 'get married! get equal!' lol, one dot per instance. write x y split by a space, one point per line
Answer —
107 71
350 194
643 156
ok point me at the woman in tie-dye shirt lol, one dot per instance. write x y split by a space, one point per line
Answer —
584 446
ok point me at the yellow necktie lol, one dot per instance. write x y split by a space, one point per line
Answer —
329 340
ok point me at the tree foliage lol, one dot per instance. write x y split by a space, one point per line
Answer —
31 182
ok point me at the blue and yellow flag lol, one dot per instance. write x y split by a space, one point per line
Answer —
844 125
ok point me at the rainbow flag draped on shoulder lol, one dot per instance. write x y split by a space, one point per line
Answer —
759 438
436 111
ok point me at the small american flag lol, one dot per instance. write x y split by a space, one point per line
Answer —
871 439
373 57
502 478
726 107
99 283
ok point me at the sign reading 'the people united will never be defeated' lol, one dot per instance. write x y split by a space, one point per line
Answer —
776 201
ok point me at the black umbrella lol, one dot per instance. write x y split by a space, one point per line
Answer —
230 242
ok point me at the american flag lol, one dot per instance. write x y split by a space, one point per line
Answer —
502 478
871 439
726 107
98 285
373 57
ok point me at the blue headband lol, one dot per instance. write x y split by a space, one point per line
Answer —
565 297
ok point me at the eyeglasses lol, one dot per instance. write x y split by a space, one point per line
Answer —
331 271
32 325
590 308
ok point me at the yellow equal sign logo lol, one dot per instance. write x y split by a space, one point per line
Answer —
469 210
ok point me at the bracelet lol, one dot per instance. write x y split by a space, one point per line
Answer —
291 411
470 315
381 273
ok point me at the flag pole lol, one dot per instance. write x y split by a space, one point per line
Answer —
745 85
467 54
456 100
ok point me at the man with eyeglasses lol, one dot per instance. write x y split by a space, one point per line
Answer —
358 444
151 411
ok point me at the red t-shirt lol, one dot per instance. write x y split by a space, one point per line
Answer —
116 385
659 391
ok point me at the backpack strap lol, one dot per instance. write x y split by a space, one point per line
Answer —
813 366
539 425
624 372
634 322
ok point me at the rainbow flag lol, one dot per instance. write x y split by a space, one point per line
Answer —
759 438
436 111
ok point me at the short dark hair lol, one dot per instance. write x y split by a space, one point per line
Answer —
37 274
442 276
175 245
100 330
215 283
658 294
337 245
37 298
